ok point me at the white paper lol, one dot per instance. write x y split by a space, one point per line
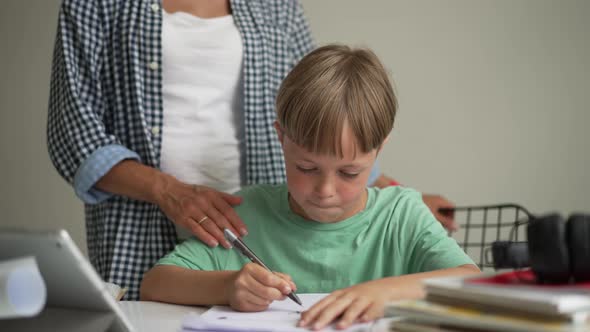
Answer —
22 289
280 316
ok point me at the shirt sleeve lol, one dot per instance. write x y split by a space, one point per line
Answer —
427 243
95 167
76 135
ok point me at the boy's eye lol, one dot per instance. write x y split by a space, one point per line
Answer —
305 170
349 175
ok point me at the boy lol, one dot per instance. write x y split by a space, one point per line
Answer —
324 228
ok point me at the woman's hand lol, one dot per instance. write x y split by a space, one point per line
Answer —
435 203
255 288
360 303
202 210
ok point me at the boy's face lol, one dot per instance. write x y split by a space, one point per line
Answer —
326 188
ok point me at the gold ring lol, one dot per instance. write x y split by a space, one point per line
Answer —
202 219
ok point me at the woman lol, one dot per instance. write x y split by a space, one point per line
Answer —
158 110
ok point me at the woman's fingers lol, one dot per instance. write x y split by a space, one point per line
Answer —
211 227
206 212
231 199
225 205
225 216
209 203
201 233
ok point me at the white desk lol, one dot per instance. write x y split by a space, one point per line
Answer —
160 317
154 316
144 317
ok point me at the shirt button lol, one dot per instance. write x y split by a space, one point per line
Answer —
155 7
155 130
153 65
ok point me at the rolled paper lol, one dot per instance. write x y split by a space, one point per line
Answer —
22 288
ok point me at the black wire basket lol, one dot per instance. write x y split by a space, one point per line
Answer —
481 226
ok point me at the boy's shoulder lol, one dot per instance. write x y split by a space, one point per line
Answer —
402 206
276 192
272 191
261 200
396 194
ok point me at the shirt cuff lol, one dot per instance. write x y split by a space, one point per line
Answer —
375 173
95 167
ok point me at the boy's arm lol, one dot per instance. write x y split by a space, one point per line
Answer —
366 301
252 288
409 286
174 284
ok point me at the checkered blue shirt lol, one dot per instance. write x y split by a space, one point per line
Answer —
106 105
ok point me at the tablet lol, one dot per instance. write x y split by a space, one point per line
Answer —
72 283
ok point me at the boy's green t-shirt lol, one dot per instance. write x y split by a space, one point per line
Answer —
395 234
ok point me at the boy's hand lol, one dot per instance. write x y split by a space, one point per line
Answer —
360 303
254 288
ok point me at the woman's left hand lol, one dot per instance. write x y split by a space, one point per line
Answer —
360 303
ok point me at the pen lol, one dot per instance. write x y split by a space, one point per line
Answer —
244 250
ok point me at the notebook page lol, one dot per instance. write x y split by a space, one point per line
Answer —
280 316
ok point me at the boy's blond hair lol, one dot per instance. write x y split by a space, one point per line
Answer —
329 87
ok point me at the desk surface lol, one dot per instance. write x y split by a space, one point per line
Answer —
154 316
148 316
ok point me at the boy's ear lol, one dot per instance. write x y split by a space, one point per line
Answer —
279 130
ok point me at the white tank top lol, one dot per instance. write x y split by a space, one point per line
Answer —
203 131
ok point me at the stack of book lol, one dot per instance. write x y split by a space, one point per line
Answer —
495 302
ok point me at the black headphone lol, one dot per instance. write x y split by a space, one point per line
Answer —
558 251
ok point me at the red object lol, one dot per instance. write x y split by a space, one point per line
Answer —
525 278
394 183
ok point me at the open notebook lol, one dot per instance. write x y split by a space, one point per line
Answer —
280 316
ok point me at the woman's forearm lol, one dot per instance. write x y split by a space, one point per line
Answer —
173 284
132 179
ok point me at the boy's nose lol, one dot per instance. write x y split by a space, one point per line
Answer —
325 187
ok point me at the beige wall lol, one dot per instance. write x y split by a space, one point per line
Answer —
493 94
33 196
492 101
